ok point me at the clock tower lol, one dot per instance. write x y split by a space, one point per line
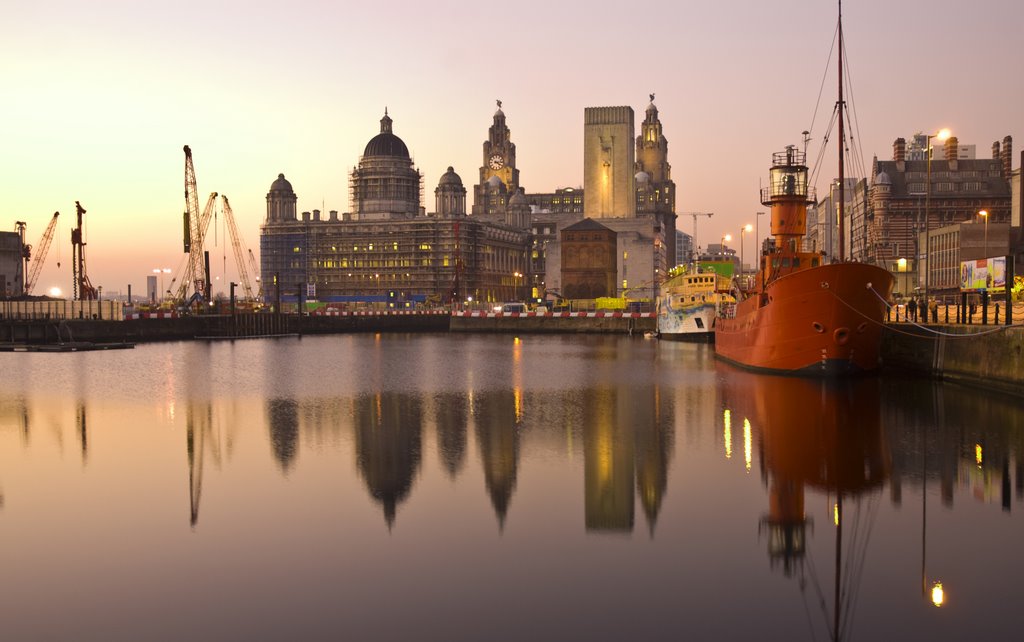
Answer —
499 160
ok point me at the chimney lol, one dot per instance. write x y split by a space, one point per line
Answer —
899 154
995 151
334 216
305 217
1007 156
316 215
951 146
899 150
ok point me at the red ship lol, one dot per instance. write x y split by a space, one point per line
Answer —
802 315
805 315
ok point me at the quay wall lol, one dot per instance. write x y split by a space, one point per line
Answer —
988 356
541 324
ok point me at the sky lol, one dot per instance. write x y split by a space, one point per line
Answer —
97 99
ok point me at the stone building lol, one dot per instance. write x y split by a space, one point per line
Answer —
499 177
388 250
655 189
959 189
609 162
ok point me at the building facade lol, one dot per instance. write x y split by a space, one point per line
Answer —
388 251
588 260
499 177
900 194
609 162
655 189
12 279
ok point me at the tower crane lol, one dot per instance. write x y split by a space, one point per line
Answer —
43 247
695 215
83 289
240 251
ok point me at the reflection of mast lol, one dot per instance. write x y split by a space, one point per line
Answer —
826 436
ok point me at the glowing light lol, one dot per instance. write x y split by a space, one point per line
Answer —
55 291
727 417
943 134
977 454
747 443
938 595
835 513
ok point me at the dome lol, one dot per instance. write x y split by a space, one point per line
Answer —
642 177
519 198
386 143
281 184
450 178
882 179
494 181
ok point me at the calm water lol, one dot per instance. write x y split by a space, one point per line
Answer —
489 488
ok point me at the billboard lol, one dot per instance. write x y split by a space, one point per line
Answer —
983 274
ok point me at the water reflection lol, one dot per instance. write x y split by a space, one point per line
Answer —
388 429
824 436
496 415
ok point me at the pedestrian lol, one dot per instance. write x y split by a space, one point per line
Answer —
912 310
933 307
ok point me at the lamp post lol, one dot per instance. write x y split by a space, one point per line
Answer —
984 213
942 135
746 228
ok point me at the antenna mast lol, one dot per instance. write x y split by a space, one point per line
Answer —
842 142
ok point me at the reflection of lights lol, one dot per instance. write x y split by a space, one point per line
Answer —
727 417
938 595
835 513
746 443
517 389
977 454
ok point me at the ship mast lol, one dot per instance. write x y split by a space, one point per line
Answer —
840 105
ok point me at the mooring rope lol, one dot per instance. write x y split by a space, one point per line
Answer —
955 335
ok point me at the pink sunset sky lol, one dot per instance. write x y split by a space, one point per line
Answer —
98 99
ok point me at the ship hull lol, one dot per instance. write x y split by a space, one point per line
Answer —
694 323
821 321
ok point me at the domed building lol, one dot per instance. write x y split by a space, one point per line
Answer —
385 185
388 252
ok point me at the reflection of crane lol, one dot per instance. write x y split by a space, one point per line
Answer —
83 290
199 437
241 252
694 241
43 247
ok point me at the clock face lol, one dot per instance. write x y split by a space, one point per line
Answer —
496 161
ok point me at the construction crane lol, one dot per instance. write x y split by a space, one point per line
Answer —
83 289
40 256
240 251
195 226
694 241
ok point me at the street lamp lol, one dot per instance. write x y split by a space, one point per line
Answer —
985 214
942 135
746 228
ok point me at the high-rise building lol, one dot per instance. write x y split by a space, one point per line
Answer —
609 163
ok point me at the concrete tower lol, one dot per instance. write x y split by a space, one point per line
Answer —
608 163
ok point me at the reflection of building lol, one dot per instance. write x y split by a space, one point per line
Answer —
387 250
451 416
959 189
498 437
388 429
609 466
283 417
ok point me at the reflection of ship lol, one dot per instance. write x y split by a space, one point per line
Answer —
689 303
804 315
824 436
